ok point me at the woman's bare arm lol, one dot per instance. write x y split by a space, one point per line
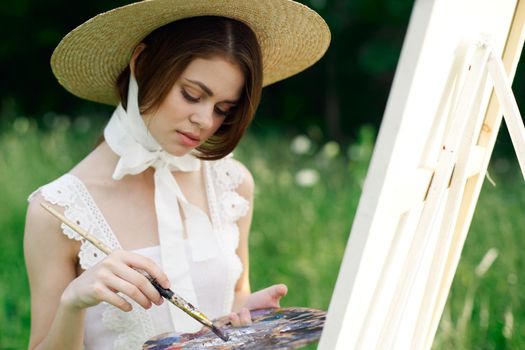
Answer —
50 261
245 300
242 288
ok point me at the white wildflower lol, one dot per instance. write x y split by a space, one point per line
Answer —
301 144
307 177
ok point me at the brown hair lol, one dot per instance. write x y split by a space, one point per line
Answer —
172 47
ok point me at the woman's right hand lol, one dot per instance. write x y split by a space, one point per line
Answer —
116 273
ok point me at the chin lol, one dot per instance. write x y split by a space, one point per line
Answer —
178 151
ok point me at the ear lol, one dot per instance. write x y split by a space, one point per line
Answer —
136 52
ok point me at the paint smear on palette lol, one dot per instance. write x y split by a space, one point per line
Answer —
272 329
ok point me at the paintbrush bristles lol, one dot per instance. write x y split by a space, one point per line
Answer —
219 333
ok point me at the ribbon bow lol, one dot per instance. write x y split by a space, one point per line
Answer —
127 135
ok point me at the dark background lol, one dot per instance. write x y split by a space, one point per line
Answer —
347 88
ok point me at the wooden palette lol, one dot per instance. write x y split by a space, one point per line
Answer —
272 328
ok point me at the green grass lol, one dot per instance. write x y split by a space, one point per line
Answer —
299 232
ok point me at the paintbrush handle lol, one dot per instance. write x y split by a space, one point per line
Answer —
180 303
88 236
166 293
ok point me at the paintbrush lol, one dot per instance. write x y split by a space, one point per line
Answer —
165 292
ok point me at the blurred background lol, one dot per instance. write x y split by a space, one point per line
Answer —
308 149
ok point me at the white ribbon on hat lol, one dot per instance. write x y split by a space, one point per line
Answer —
128 136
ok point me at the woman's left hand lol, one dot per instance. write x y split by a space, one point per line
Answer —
268 297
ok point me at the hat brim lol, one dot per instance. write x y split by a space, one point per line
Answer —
89 59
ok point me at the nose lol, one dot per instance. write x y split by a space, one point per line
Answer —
202 117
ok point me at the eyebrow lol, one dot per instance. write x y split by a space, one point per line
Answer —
207 90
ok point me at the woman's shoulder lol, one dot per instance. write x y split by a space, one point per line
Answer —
69 194
40 228
72 188
57 191
36 214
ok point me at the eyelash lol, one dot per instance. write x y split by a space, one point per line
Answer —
192 99
188 97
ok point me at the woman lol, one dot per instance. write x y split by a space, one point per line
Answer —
161 189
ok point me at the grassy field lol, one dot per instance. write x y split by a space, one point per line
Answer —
307 193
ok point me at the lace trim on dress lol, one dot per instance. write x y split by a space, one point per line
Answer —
69 192
133 327
228 176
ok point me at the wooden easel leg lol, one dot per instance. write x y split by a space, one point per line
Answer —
511 113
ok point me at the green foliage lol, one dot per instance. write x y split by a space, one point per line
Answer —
28 158
307 194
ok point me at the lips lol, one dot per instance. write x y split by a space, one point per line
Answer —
189 139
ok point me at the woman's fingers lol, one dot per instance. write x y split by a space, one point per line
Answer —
103 293
131 290
117 273
140 262
268 297
135 285
276 292
234 319
120 273
245 317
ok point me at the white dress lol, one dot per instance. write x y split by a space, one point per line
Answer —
214 279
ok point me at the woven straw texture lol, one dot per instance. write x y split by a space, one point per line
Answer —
89 59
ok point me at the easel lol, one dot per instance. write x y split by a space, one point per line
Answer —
454 167
409 283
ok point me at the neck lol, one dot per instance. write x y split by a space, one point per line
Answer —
100 164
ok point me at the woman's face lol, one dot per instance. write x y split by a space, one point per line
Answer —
197 104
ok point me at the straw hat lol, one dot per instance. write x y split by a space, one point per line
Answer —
89 59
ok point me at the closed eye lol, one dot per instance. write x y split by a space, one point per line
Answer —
189 97
224 113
